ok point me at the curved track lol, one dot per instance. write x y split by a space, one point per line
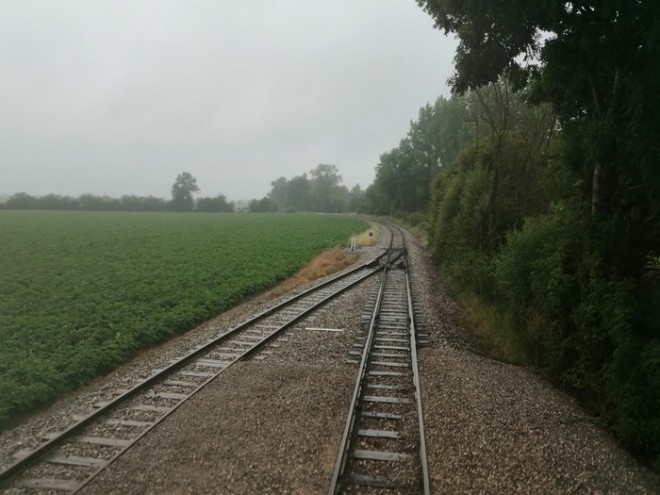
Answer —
383 446
64 463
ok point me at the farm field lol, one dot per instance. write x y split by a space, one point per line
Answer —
81 291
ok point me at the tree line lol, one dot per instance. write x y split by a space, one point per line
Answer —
182 200
544 202
322 190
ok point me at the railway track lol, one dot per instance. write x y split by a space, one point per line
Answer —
383 447
70 459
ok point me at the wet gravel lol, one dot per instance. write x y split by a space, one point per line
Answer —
273 424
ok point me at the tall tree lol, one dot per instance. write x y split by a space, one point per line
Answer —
404 174
182 192
300 193
593 61
584 269
355 198
326 188
279 193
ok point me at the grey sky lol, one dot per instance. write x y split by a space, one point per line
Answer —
119 96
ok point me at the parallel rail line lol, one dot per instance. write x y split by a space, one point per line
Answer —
70 459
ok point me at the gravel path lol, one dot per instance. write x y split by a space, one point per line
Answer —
272 424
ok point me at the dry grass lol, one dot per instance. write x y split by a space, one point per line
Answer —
326 263
364 239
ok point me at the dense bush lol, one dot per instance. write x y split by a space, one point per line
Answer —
587 327
513 233
593 336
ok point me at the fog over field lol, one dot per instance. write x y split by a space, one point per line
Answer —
118 97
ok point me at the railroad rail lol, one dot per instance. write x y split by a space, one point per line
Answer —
383 447
70 459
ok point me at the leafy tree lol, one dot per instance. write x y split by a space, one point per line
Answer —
182 192
137 203
57 202
263 205
219 204
396 185
321 191
453 128
596 61
581 270
90 202
21 201
327 192
300 192
355 198
404 174
279 193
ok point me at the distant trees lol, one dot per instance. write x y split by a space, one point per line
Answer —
300 195
263 205
24 201
218 204
21 201
404 175
183 189
321 190
328 192
139 203
85 202
182 200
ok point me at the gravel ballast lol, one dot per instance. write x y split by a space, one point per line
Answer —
273 424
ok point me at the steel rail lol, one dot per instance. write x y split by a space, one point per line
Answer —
344 446
40 452
426 484
257 346
350 429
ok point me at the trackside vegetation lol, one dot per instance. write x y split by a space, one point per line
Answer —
544 207
81 291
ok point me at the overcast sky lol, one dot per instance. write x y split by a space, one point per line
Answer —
119 96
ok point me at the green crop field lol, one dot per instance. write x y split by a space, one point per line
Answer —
81 291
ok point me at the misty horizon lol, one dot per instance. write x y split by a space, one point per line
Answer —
118 98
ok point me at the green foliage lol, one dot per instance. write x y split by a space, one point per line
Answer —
219 204
575 279
588 326
535 279
327 192
183 189
511 228
80 292
263 205
404 174
489 190
323 191
597 69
